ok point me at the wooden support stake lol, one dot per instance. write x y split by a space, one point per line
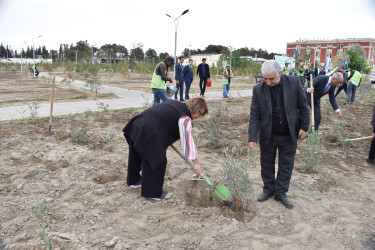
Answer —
312 106
51 111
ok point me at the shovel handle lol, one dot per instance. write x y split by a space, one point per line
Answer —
222 198
358 139
188 162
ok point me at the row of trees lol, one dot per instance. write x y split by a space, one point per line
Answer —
8 52
84 51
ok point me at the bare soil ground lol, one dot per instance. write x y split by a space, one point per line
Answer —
140 82
21 89
92 208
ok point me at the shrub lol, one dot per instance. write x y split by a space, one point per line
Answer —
312 150
41 214
235 175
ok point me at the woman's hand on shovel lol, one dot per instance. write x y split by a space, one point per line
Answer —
197 167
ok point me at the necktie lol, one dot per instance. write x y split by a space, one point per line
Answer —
327 88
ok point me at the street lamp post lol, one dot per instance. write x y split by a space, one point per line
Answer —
34 53
175 32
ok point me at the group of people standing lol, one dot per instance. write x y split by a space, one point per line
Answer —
184 74
279 115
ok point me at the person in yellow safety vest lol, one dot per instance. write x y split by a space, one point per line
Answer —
159 79
286 69
227 78
354 82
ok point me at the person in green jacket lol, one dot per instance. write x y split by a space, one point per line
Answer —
159 79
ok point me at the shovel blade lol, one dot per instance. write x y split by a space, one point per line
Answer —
220 191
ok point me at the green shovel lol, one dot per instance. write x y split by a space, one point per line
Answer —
219 191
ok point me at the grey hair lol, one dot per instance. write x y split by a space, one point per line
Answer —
271 66
337 75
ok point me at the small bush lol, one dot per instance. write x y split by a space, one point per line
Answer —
213 124
80 134
34 108
235 175
312 150
41 214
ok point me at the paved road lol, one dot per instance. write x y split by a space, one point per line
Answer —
126 99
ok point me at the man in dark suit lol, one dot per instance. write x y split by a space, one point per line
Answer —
179 79
188 78
280 114
323 85
204 74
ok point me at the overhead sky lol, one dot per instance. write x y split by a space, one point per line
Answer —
266 24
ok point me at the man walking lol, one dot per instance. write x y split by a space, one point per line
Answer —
354 80
323 85
280 114
227 78
188 78
179 79
159 79
204 74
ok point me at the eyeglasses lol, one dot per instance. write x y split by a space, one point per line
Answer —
269 79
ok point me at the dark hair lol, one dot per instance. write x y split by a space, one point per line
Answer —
181 57
203 59
190 60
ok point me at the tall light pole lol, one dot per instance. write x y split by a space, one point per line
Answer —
34 52
175 20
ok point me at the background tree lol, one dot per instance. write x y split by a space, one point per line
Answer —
356 61
152 55
137 53
338 61
163 56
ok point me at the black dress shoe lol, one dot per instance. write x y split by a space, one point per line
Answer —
182 100
369 161
284 200
264 197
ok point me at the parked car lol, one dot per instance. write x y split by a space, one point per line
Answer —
372 78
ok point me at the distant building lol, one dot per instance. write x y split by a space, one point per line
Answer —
210 58
214 58
321 49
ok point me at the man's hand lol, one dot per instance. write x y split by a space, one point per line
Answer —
252 145
373 135
310 90
177 81
339 114
302 134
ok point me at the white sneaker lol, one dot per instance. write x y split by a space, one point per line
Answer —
159 198
137 185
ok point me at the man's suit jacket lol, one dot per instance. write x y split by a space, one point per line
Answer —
178 72
319 84
199 70
296 109
188 74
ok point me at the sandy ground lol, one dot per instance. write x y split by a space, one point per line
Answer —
92 208
142 82
21 89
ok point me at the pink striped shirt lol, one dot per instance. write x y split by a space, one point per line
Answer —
187 142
